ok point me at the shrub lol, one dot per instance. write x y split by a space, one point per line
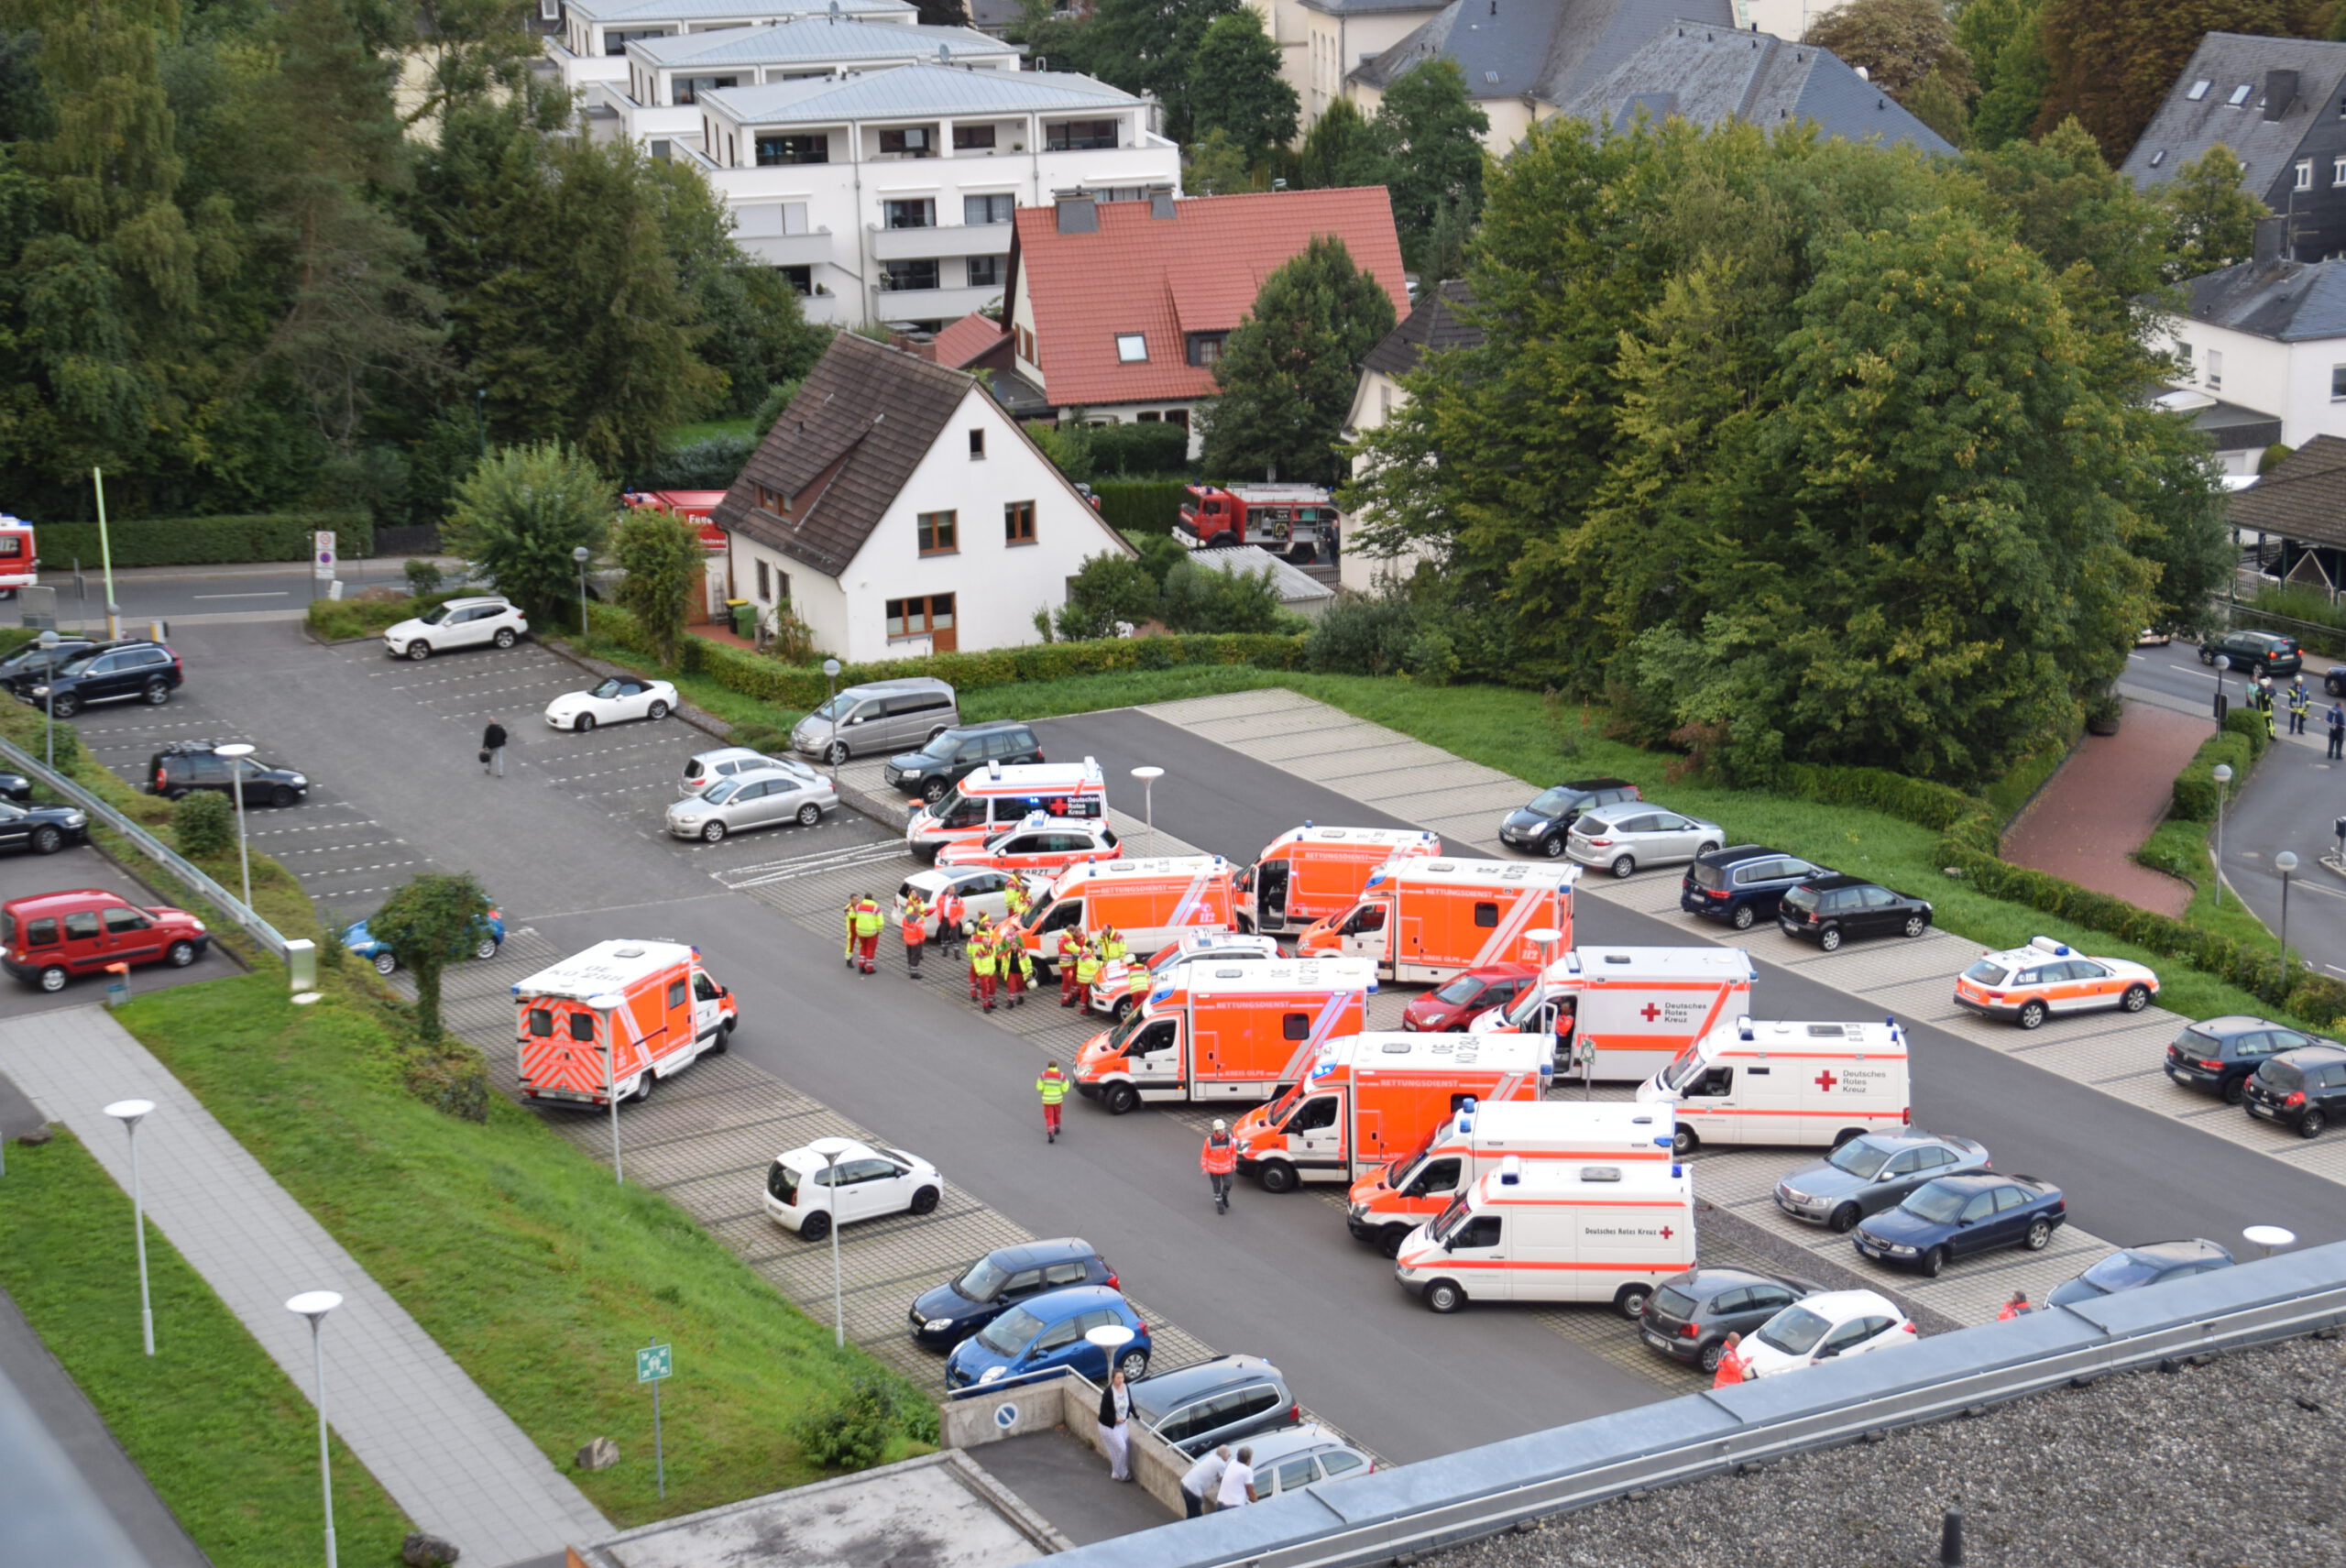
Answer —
1138 448
770 407
759 738
203 825
2245 721
204 541
2194 787
1111 589
1360 637
852 1431
1141 506
422 577
1202 599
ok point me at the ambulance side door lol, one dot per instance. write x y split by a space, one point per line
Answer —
1366 932
709 1005
1314 1135
1157 1053
1483 1240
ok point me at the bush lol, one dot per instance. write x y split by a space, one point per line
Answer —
204 541
203 825
422 577
852 1431
759 737
1153 447
1201 598
2195 786
1111 590
1360 637
709 464
2245 721
1141 506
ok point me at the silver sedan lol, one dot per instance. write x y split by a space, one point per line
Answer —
763 799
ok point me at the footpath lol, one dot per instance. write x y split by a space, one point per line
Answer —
2100 805
450 1457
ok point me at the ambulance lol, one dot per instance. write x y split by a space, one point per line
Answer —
1152 902
1215 1030
1426 920
996 799
1385 1205
1818 1084
1368 1097
1311 873
1113 994
615 1019
1627 1013
1555 1231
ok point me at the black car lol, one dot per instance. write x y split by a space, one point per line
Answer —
2256 652
1742 884
1212 1402
1541 826
1832 909
116 672
16 786
43 830
2300 1089
2220 1054
31 663
952 755
2135 1267
1956 1216
188 765
944 1317
1689 1315
1872 1171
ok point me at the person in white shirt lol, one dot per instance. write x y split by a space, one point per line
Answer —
1199 1480
1237 1481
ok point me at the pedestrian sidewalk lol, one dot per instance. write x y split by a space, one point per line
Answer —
2100 805
447 1456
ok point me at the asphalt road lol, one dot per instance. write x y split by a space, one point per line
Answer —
281 589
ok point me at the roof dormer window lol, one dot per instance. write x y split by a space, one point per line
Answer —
1132 348
2199 88
2240 95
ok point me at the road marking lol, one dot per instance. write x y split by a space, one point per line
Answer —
278 594
810 865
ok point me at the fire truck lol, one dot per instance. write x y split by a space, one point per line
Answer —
1294 520
20 561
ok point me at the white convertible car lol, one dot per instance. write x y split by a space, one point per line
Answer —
619 698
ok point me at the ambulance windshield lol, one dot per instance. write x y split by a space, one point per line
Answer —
1398 1171
1451 1218
1523 1012
1126 1027
1277 1111
1683 1071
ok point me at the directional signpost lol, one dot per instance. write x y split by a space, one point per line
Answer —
652 1362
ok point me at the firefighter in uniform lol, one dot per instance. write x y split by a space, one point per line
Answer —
983 955
1219 1160
915 915
1087 970
2265 705
1052 1087
2300 704
868 922
1070 948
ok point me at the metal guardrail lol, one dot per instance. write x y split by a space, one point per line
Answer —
153 849
1418 1509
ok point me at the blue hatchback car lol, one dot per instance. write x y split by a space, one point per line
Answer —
946 1314
1040 1336
1957 1215
488 934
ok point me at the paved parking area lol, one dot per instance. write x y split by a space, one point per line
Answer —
22 876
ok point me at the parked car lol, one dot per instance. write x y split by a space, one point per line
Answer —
1823 1328
16 786
29 663
613 701
1541 825
49 938
1871 1172
1829 910
482 621
43 830
877 717
1041 845
1460 1001
945 1315
1636 833
487 937
1958 1216
117 672
2027 985
2131 1269
1211 1402
1039 1337
1689 1315
766 799
2257 652
2220 1054
952 754
873 1182
2300 1089
984 890
2153 637
1742 884
707 767
1298 1457
186 766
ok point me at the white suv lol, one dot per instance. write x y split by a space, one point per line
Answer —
458 623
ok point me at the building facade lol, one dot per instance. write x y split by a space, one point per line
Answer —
2264 338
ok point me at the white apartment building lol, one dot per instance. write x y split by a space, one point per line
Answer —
2263 347
590 52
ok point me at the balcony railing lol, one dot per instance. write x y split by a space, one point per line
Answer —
939 240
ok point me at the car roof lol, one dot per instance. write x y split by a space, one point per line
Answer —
1160 1389
1910 1137
38 904
981 726
1288 1443
727 753
2190 1251
1070 1300
897 686
469 600
1851 1303
2323 1053
1026 1254
1834 881
1736 853
1595 783
2235 1024
1727 1276
804 1157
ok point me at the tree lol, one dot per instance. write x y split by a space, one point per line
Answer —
1287 373
1112 588
519 516
1938 103
2008 110
435 917
661 554
2113 62
1899 43
1235 85
1218 165
1984 28
1199 598
1427 131
1146 46
2212 217
1340 150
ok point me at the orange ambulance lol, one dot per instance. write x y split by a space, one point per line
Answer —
1310 872
1426 920
613 1020
1225 1031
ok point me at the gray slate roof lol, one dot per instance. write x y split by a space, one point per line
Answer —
2290 302
639 11
1705 74
1552 50
816 39
1432 325
2303 496
910 90
1369 7
2184 129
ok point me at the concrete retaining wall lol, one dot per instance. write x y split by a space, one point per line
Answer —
1069 1400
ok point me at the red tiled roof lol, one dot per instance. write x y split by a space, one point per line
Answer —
966 339
1197 271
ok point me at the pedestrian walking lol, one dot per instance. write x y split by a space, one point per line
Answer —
915 918
1733 1367
1236 1488
2017 1306
1052 1087
2337 732
492 750
847 952
1219 1160
1199 1480
868 921
1070 950
985 953
1116 1427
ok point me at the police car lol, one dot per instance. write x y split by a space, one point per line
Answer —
1039 844
2027 985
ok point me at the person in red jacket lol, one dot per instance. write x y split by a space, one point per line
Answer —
1733 1368
2014 1308
1219 1160
950 912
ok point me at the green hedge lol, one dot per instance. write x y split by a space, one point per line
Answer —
2195 786
1141 506
203 541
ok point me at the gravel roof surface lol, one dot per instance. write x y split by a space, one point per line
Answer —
2147 1470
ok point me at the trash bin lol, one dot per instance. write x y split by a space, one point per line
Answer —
745 618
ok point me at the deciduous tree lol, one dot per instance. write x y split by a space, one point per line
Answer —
1235 85
1287 374
661 554
2112 61
435 917
1899 43
1429 132
2009 108
2211 217
1218 165
520 513
1340 149
1146 46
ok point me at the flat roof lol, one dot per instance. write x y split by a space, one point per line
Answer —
907 90
817 39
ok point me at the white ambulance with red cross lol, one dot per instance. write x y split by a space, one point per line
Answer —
1602 1230
1795 1083
609 1023
1627 1013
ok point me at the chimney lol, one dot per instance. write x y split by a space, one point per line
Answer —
2272 240
2280 92
1077 213
1160 205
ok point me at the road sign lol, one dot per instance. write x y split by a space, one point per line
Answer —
321 555
654 1362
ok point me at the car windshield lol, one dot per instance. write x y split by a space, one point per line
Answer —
1795 1330
609 688
835 708
1400 1169
718 794
1549 802
1451 1218
1129 1025
1681 1072
1936 1202
1987 971
434 616
1011 1332
1801 898
1859 1158
984 1278
2121 1271
78 664
1465 988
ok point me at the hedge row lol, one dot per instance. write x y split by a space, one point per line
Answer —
2241 742
802 686
1141 506
203 541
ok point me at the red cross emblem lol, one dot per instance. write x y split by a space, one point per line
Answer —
1665 1233
1650 1012
1826 1080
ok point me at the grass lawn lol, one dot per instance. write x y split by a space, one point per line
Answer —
685 434
515 1251
226 1440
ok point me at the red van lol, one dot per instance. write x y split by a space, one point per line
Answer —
48 938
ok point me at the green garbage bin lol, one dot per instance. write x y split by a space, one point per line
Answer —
745 619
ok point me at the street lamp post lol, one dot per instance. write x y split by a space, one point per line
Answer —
831 1149
236 752
129 1113
831 707
314 1305
581 554
1148 777
614 1006
48 672
2285 862
2222 775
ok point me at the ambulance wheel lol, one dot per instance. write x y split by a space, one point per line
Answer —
1121 1099
2032 1015
643 1087
724 1038
934 791
1829 939
2040 1236
1709 1358
924 1201
1390 1241
386 961
1445 1296
814 1227
1630 1300
1277 1176
1842 1221
1686 1141
1625 866
1935 1262
2137 997
1742 918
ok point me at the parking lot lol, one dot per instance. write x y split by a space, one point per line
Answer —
23 875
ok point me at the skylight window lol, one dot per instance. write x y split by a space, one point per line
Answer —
2199 88
2159 158
2240 95
1132 348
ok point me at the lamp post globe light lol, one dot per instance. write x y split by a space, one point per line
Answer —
2285 862
314 1305
236 752
2222 775
581 555
130 1112
831 707
1148 777
49 669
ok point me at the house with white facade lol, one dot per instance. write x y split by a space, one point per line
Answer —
2263 347
898 509
888 196
1436 323
588 48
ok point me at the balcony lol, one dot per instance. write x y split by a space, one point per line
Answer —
787 249
943 240
929 304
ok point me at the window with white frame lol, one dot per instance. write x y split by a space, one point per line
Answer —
1132 348
2215 370
2305 175
2338 383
